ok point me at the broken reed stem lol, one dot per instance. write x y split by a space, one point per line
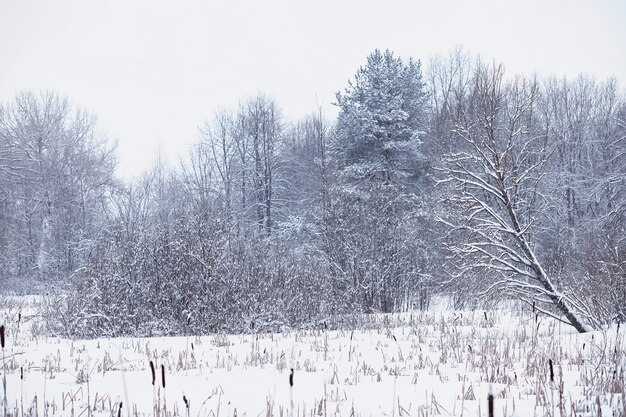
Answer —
350 347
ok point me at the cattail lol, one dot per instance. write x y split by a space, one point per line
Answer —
186 402
153 372
2 336
551 370
291 390
485 315
119 411
21 373
163 375
490 410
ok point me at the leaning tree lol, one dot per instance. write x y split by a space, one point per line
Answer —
493 175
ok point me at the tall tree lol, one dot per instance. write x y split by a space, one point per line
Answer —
376 201
496 171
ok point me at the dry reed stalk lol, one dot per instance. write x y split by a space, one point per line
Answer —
163 384
154 401
551 370
22 389
153 372
186 401
4 371
291 390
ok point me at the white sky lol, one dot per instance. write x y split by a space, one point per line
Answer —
153 71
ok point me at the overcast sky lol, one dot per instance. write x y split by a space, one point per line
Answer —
153 71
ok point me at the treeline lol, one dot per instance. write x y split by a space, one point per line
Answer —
455 179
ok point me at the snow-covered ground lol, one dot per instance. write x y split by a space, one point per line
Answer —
421 364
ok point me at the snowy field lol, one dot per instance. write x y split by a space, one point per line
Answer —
437 363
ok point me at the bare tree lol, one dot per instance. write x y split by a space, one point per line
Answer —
305 179
495 174
250 146
57 172
220 139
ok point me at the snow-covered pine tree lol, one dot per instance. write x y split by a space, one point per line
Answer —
375 206
382 115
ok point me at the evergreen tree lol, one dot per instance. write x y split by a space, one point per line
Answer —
381 119
375 203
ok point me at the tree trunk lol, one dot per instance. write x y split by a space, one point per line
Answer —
540 274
